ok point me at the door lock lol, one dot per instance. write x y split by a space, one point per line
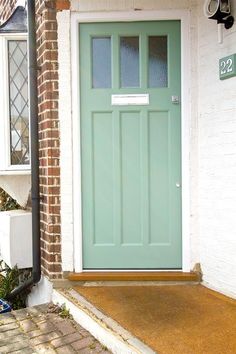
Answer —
175 99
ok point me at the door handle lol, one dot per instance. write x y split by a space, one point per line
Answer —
178 185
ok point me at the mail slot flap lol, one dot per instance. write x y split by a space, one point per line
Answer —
130 99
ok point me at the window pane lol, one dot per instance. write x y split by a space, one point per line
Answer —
101 56
18 94
158 76
129 61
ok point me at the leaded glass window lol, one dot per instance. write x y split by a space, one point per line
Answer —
18 102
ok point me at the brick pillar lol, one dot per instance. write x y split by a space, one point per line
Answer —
49 138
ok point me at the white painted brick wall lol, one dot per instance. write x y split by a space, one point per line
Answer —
123 5
193 139
217 159
64 58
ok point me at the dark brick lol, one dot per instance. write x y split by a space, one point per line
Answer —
65 327
28 325
68 339
8 327
83 343
44 338
65 350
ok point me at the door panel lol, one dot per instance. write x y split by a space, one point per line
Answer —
131 178
131 154
158 144
102 170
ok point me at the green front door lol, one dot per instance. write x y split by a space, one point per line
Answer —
131 145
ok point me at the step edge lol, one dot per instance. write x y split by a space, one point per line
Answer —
135 276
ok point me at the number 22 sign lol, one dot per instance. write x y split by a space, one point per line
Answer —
227 67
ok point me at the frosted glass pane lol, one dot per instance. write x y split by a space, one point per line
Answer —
158 76
129 61
101 57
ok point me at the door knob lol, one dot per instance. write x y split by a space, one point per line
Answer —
178 185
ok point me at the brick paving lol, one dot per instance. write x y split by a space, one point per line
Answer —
41 329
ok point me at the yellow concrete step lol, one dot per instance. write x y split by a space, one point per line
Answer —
134 276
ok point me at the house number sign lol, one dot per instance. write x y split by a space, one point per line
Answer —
227 67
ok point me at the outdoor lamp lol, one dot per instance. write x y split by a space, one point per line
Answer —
219 10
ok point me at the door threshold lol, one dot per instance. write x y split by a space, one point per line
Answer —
134 276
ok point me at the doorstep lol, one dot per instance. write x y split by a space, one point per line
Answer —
175 276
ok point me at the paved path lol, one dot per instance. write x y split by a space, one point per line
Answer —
41 329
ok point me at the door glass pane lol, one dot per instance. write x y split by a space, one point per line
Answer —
158 76
101 61
129 61
18 98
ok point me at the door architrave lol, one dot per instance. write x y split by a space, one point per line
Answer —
131 16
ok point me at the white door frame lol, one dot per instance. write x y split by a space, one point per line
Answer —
131 16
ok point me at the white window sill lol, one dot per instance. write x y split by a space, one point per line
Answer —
15 172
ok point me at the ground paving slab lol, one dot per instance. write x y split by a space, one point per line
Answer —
41 329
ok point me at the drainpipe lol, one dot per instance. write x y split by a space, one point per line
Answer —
33 114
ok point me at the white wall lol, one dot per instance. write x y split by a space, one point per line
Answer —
17 186
217 159
122 5
41 293
64 58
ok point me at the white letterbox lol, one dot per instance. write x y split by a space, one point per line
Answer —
16 238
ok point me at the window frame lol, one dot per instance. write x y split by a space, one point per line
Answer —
6 168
